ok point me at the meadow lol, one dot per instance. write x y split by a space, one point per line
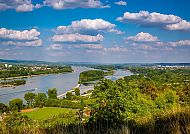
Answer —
47 112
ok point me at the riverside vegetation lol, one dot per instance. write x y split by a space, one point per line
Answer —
14 75
13 82
155 101
92 75
28 70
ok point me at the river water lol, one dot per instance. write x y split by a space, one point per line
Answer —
63 83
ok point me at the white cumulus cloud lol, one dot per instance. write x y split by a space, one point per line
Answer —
89 26
18 5
70 4
20 38
179 43
19 35
75 38
33 43
182 25
149 18
142 37
144 18
122 3
89 46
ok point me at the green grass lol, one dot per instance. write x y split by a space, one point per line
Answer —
48 112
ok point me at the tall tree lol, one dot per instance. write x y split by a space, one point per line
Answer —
69 95
3 108
16 104
77 91
40 99
52 93
29 97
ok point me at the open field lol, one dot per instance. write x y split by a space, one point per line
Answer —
48 112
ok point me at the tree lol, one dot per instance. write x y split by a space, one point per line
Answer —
29 97
16 104
82 104
52 93
3 108
69 95
77 91
40 99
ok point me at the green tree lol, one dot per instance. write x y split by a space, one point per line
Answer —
82 104
40 99
52 93
16 104
3 108
29 97
69 95
77 91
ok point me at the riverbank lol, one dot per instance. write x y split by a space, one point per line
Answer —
30 76
72 90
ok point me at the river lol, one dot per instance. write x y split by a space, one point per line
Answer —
63 82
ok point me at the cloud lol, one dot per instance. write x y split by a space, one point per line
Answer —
115 31
88 26
147 42
142 37
20 38
34 43
89 46
179 43
19 35
174 43
77 38
121 3
144 18
70 4
182 25
27 5
18 5
116 49
55 47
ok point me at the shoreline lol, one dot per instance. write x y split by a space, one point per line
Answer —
29 76
64 94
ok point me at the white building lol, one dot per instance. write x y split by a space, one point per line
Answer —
6 65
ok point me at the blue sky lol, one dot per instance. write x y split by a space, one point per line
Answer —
107 31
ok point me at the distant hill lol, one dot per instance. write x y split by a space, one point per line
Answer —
89 63
23 61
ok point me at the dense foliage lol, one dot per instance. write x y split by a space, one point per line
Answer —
16 104
13 82
143 98
29 97
77 91
21 70
52 93
91 75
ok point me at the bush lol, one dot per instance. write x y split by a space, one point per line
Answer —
69 95
52 93
52 103
40 99
16 104
77 91
70 104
